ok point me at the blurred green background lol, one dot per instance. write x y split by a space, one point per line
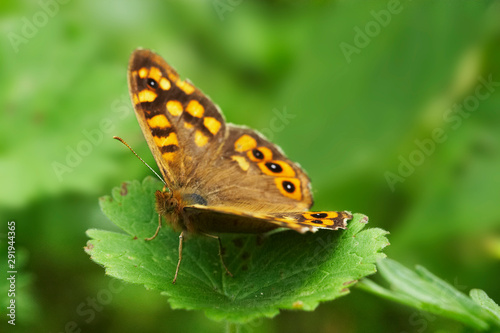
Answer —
361 81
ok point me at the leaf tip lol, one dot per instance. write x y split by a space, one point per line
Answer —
88 248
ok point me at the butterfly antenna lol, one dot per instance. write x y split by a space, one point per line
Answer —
150 168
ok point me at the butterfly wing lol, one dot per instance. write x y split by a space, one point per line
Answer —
224 220
254 175
181 125
198 153
245 182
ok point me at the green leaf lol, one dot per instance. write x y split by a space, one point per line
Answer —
424 291
283 270
481 298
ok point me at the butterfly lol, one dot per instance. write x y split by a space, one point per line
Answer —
221 178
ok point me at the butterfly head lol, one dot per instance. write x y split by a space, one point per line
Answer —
166 203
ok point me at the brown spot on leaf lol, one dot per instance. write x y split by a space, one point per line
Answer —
349 282
124 189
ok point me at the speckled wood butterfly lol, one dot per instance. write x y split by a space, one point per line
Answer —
221 178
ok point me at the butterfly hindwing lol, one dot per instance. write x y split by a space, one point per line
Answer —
215 219
311 221
254 175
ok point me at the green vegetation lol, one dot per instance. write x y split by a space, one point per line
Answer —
391 108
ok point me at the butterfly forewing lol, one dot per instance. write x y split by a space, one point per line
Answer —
179 122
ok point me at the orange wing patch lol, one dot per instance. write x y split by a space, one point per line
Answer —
242 162
195 109
155 74
244 143
277 168
289 187
146 95
186 87
170 140
174 108
164 84
260 154
143 72
320 215
211 124
158 121
200 139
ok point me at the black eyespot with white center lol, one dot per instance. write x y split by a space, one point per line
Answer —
257 154
288 186
152 83
274 167
317 221
319 215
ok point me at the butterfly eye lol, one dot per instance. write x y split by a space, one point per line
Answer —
260 154
274 167
257 154
288 186
152 83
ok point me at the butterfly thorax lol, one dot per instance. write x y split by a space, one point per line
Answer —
171 206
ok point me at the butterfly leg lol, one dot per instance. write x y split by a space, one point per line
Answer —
181 237
220 253
157 229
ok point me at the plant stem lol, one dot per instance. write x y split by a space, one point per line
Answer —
232 327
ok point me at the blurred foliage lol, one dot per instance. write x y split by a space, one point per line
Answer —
424 291
355 118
